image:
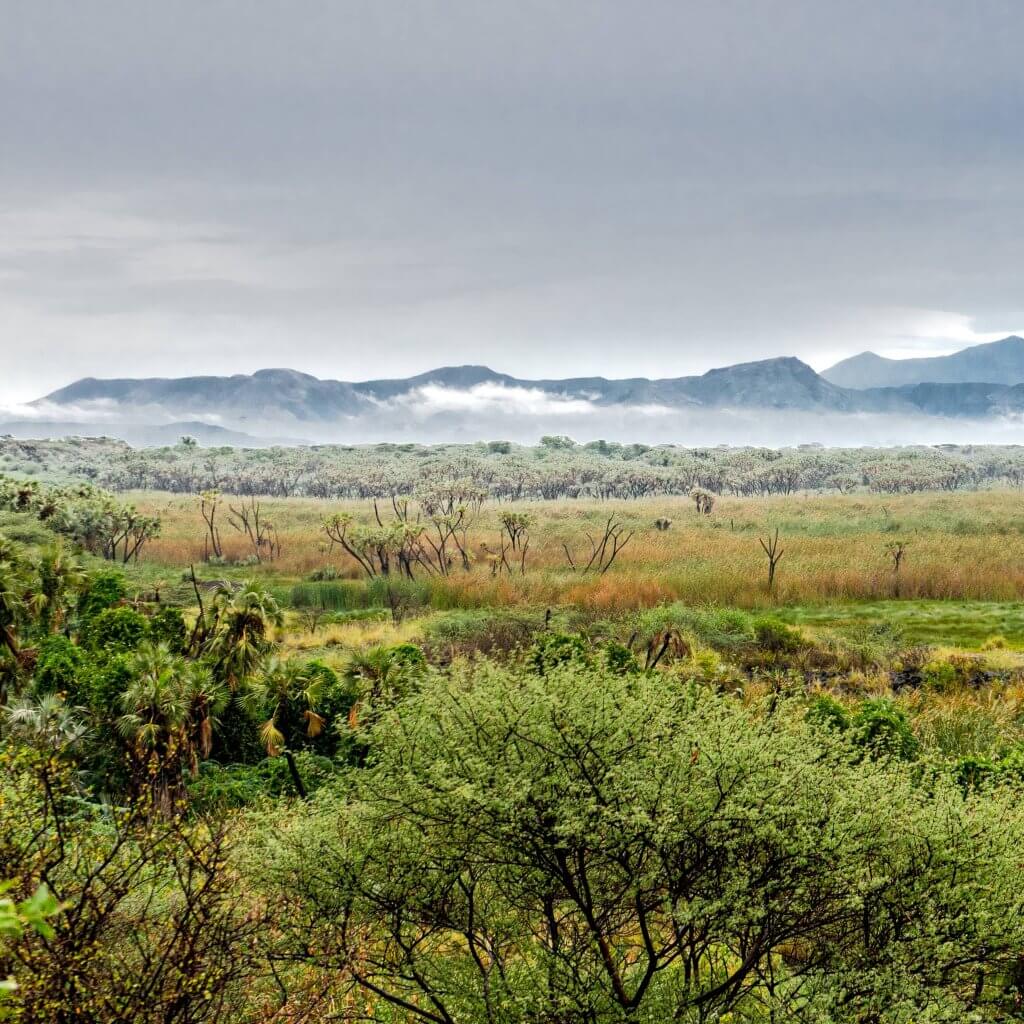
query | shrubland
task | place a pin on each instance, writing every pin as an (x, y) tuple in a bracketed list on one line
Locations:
[(449, 759), (556, 468)]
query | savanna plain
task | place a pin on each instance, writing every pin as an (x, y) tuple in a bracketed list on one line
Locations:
[(567, 734)]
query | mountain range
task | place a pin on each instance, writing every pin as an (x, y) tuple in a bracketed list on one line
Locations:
[(984, 382)]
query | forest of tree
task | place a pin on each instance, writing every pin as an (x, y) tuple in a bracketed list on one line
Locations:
[(557, 468)]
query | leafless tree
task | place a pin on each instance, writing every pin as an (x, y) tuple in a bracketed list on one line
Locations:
[(248, 519), (209, 502), (897, 549), (771, 548), (604, 549)]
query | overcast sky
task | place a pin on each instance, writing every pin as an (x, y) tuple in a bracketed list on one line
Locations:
[(363, 189)]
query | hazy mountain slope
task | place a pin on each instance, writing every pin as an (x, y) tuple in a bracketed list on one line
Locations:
[(997, 362), (781, 398), (141, 435), (267, 395), (286, 395)]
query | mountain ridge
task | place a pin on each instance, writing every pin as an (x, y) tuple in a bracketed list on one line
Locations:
[(780, 382), (993, 362), (290, 404)]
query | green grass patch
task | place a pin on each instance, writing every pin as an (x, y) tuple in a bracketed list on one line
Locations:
[(956, 623)]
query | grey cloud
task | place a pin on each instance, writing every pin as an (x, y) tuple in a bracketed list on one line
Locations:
[(364, 188)]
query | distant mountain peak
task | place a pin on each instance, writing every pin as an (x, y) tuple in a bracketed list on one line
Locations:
[(289, 403), (992, 362)]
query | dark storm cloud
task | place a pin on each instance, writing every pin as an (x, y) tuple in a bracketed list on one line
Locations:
[(359, 189)]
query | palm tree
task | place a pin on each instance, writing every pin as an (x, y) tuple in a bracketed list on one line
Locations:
[(240, 636), (382, 675), (48, 724), (13, 610), (285, 691), (170, 708), (60, 574)]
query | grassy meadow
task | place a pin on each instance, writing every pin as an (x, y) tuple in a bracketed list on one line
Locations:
[(960, 580), (422, 774)]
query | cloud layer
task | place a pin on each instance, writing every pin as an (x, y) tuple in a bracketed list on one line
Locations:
[(360, 189)]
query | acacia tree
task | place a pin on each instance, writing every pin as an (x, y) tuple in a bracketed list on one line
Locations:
[(209, 503), (145, 921), (604, 548), (770, 546), (589, 847)]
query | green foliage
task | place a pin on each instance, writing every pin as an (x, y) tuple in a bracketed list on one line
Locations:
[(973, 772), (882, 729), (103, 682), (379, 676), (339, 595), (60, 667), (167, 626), (219, 788), (488, 631), (940, 675), (554, 649), (105, 589), (827, 713), (619, 659), (240, 633), (115, 630), (495, 795), (33, 914), (557, 442), (775, 637), (382, 592), (146, 926), (724, 629)]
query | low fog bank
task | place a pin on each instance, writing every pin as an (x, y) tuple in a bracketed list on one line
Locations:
[(696, 427), (405, 422)]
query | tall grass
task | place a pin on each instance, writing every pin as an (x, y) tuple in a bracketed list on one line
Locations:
[(967, 546)]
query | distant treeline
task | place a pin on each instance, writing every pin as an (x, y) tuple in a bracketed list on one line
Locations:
[(556, 468)]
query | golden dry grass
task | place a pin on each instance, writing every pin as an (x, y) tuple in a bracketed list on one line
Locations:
[(961, 546)]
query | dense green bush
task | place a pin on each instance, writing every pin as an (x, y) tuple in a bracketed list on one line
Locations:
[(554, 649), (774, 637), (827, 713), (59, 668), (619, 658), (104, 681), (105, 589), (167, 626), (115, 629), (882, 729), (597, 833)]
